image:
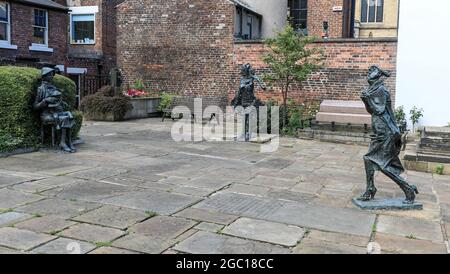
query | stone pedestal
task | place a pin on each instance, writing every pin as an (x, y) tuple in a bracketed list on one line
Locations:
[(387, 204)]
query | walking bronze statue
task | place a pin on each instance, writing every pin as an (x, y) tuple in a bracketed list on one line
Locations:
[(386, 140), (245, 97), (50, 103)]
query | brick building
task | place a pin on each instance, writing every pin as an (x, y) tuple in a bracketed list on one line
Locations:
[(33, 32), (196, 47)]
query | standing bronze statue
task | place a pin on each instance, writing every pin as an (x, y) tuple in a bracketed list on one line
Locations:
[(246, 98), (50, 103), (386, 141)]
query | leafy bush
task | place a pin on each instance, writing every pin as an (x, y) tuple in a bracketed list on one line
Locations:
[(416, 114), (400, 117), (19, 123), (166, 100), (297, 115), (102, 103)]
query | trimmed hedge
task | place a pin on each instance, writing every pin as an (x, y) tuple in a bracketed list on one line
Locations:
[(19, 123)]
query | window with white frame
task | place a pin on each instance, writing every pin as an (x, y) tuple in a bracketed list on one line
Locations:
[(40, 28), (82, 28), (5, 35), (372, 11)]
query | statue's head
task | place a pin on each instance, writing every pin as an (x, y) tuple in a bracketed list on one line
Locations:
[(375, 73), (247, 70), (47, 74)]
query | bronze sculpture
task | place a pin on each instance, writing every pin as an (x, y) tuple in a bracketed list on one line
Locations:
[(245, 97), (386, 140), (50, 103)]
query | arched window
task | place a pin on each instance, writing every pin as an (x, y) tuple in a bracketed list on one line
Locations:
[(298, 10), (372, 11)]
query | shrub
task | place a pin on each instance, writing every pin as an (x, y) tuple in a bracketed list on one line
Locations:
[(166, 100), (19, 123), (416, 114), (102, 103), (400, 117)]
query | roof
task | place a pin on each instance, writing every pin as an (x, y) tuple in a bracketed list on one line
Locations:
[(44, 4), (246, 6)]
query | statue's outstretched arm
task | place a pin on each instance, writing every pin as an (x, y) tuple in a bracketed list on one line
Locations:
[(260, 82)]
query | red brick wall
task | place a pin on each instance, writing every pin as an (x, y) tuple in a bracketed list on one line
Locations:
[(22, 19), (182, 46), (343, 76), (322, 10)]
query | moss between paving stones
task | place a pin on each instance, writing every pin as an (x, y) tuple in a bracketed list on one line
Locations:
[(19, 124)]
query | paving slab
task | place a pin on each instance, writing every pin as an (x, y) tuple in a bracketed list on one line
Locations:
[(210, 227), (314, 246), (112, 250), (208, 182), (409, 227), (45, 224), (159, 202), (310, 188), (13, 198), (112, 216), (248, 189), (144, 244), (274, 163), (92, 233), (31, 187), (10, 218), (207, 216), (193, 191), (210, 243), (61, 208), (272, 182), (265, 231), (64, 246), (339, 238), (242, 205), (343, 220), (402, 245), (98, 173), (90, 191), (22, 239), (163, 227), (7, 179), (284, 194), (4, 251), (57, 181)]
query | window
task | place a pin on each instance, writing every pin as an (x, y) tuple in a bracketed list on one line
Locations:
[(40, 28), (247, 25), (298, 10), (83, 28), (372, 11), (4, 22)]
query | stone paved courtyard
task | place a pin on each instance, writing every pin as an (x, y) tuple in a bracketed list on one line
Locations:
[(131, 189)]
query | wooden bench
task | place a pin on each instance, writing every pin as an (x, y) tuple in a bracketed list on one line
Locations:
[(344, 112), (188, 102)]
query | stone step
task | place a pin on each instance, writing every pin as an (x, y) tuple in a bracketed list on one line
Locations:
[(442, 132), (344, 118), (348, 107)]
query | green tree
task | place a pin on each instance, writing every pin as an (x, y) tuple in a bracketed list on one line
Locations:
[(290, 59), (415, 115)]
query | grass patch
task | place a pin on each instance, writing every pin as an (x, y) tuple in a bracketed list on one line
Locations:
[(411, 237), (150, 213), (103, 244), (37, 215), (6, 210)]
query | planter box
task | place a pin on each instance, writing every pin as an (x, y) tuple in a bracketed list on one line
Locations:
[(143, 108)]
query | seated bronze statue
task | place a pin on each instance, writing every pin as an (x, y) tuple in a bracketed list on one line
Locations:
[(50, 103)]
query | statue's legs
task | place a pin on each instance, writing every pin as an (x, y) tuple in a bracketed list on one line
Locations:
[(70, 141), (409, 190), (371, 190), (63, 145)]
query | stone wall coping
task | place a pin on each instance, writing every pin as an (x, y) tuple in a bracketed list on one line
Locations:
[(333, 40)]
